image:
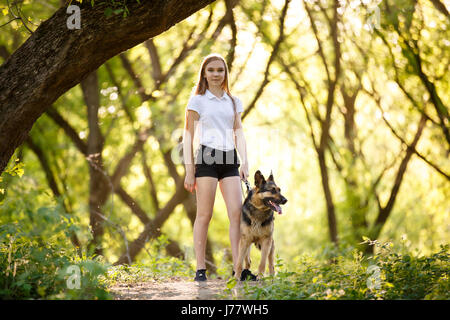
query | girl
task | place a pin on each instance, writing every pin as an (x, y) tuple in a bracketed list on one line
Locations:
[(213, 114)]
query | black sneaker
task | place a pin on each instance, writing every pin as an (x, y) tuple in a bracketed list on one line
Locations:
[(246, 275), (200, 275)]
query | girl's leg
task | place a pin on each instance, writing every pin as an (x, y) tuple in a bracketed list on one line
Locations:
[(232, 195), (205, 193)]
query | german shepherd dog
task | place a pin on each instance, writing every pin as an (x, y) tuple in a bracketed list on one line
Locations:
[(257, 224)]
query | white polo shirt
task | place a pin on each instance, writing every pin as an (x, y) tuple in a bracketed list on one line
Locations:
[(215, 126)]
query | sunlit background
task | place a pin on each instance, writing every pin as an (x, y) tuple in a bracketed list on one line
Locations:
[(279, 128)]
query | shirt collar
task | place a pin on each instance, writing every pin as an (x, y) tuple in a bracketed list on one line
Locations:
[(211, 95)]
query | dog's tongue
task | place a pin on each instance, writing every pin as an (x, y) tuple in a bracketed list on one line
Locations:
[(277, 207)]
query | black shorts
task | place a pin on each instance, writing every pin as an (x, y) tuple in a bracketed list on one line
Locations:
[(210, 162)]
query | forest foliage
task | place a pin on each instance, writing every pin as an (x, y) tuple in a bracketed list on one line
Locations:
[(347, 105)]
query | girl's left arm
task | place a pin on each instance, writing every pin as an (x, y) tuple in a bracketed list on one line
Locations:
[(241, 146)]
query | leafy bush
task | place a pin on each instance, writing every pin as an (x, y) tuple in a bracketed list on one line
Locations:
[(35, 262), (37, 258), (351, 275)]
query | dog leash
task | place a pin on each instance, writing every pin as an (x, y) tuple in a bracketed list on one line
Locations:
[(247, 184)]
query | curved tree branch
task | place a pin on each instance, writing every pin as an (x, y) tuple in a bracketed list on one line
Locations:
[(55, 58)]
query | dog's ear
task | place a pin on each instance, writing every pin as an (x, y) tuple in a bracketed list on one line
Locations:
[(259, 179), (270, 177)]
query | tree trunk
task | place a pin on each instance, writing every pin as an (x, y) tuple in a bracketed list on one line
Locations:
[(385, 211), (331, 214), (98, 183), (55, 58)]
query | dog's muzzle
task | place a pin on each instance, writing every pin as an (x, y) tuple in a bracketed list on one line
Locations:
[(276, 206)]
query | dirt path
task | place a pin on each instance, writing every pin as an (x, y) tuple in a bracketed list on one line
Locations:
[(180, 289)]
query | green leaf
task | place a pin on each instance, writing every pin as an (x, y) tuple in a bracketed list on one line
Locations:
[(108, 12), (231, 283)]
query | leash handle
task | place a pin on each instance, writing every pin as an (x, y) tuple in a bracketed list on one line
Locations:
[(247, 184), (248, 189)]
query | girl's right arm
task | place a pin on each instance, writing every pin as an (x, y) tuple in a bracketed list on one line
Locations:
[(192, 118)]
